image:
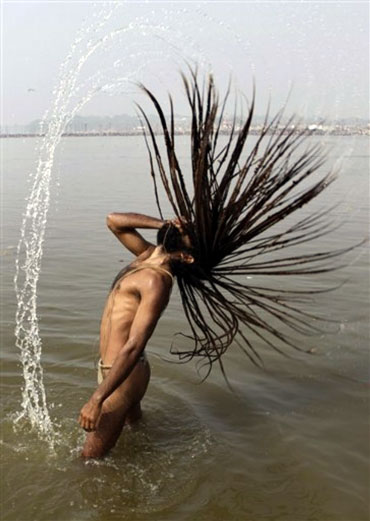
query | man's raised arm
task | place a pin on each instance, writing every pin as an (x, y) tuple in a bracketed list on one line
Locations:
[(124, 225)]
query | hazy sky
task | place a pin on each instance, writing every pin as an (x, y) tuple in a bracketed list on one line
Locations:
[(317, 49)]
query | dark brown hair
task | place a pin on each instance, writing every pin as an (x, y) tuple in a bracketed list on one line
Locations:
[(236, 200), (171, 238)]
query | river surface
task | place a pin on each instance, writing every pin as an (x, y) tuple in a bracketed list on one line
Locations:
[(290, 443)]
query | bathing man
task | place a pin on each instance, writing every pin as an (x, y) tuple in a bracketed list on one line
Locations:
[(138, 296)]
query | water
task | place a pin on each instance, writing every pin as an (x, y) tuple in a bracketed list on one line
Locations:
[(73, 90), (30, 245), (169, 458), (290, 443), (80, 79)]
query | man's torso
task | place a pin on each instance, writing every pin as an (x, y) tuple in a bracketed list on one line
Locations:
[(121, 307)]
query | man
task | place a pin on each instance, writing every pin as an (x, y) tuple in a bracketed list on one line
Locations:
[(137, 299), (232, 200)]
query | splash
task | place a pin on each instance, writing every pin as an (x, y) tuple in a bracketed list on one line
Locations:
[(71, 93), (30, 246)]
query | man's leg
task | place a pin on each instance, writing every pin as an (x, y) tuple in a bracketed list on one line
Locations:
[(122, 406), (133, 414)]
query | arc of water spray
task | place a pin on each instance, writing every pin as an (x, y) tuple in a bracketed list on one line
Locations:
[(30, 245)]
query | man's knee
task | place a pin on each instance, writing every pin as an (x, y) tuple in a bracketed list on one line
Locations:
[(134, 414), (93, 450), (92, 453), (97, 446), (101, 441)]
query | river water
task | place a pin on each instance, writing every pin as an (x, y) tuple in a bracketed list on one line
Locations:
[(289, 443)]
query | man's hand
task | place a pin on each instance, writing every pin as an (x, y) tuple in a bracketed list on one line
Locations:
[(90, 415), (182, 225)]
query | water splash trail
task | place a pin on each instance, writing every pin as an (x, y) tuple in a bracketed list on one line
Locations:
[(30, 246), (70, 95)]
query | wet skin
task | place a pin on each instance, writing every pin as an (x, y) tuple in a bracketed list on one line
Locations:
[(131, 313)]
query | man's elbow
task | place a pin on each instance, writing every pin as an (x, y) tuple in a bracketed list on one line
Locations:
[(114, 222), (133, 348), (117, 222), (110, 220)]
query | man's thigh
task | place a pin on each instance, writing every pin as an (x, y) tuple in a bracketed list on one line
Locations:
[(115, 410), (100, 441)]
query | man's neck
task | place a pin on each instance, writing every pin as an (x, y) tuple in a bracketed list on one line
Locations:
[(159, 258)]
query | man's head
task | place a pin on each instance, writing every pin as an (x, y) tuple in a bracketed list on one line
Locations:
[(176, 241)]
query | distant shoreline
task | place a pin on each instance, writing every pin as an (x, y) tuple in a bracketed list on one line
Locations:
[(254, 132)]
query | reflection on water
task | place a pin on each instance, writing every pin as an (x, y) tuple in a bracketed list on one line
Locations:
[(289, 443)]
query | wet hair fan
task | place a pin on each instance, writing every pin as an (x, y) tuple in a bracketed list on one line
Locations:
[(238, 199)]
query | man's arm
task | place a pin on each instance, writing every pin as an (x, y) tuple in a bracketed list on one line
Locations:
[(123, 226), (150, 309)]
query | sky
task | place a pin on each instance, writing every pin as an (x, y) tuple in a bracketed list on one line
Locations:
[(312, 53)]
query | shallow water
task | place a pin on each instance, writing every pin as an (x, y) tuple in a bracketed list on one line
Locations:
[(290, 443)]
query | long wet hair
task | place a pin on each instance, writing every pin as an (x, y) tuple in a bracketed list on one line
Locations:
[(231, 204)]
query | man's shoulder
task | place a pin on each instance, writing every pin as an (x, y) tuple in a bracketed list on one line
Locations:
[(155, 278), (154, 286)]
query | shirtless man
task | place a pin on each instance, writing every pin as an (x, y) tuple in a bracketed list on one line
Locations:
[(137, 299)]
